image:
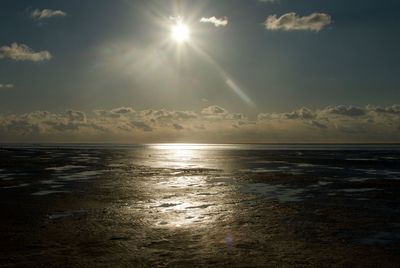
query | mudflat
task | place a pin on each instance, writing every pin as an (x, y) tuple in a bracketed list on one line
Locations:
[(199, 205)]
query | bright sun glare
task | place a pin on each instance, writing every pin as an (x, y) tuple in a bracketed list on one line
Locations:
[(180, 32)]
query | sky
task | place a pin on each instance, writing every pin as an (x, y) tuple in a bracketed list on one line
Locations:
[(249, 71)]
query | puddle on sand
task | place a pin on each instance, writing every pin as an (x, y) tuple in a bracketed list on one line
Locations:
[(324, 183), (78, 176), (17, 186), (360, 190), (64, 168), (268, 191), (66, 214), (359, 179), (5, 176), (116, 165), (49, 182), (48, 192), (378, 172), (380, 238), (307, 165), (259, 170), (361, 159)]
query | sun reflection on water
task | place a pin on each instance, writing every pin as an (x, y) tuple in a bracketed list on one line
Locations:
[(186, 192), (178, 156), (180, 146), (186, 200)]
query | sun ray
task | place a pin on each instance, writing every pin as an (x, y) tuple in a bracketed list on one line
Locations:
[(229, 81)]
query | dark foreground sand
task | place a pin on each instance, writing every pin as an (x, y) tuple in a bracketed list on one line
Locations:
[(151, 207)]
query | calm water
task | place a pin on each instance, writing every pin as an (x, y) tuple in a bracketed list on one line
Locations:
[(201, 205)]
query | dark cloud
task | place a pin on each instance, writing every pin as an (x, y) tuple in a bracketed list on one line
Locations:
[(177, 126), (62, 126), (394, 110), (123, 110), (318, 124), (142, 126), (346, 110), (76, 115)]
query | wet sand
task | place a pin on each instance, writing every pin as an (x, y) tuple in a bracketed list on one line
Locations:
[(155, 206)]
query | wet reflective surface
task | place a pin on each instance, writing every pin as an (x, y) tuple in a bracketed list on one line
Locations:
[(200, 205)]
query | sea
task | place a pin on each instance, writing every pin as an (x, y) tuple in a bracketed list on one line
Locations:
[(199, 205)]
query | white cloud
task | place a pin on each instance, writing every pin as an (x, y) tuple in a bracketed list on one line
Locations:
[(212, 124), (292, 22), (76, 116), (214, 111), (6, 86), (21, 52), (47, 13), (216, 21)]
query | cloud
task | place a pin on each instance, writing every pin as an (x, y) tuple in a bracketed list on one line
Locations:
[(142, 126), (212, 124), (391, 110), (6, 86), (47, 13), (123, 110), (214, 111), (21, 52), (318, 124), (76, 116), (292, 22), (216, 21), (346, 110), (177, 126), (302, 113)]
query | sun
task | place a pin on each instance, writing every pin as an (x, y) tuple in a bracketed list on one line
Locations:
[(180, 32)]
